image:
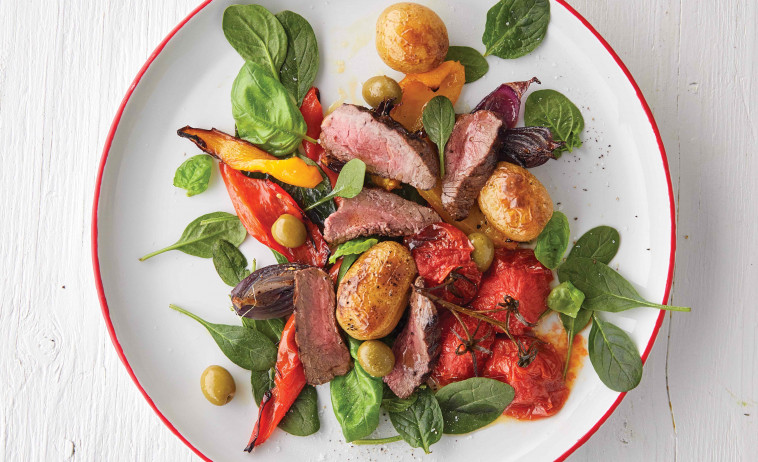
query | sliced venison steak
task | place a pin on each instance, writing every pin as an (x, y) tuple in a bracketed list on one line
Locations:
[(470, 158), (417, 348), (354, 132), (375, 211), (322, 349)]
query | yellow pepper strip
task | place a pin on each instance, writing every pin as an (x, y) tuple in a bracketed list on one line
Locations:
[(475, 222), (446, 80), (388, 184), (241, 155)]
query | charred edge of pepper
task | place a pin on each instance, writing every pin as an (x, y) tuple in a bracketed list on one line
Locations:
[(194, 138), (264, 401)]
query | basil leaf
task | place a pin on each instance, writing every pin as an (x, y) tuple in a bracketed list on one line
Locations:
[(280, 259), (604, 289), (302, 417), (355, 247), (264, 111), (257, 36), (515, 27), (198, 237), (439, 120), (548, 108), (473, 61), (391, 403), (599, 244), (194, 174), (614, 356), (262, 381), (301, 62), (348, 185), (553, 241), (565, 299), (356, 397), (271, 328), (347, 262), (230, 264), (421, 423), (473, 403), (247, 348)]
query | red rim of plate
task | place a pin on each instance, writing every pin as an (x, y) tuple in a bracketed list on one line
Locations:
[(114, 127)]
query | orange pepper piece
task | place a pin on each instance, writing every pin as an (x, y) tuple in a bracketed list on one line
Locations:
[(446, 80), (241, 155)]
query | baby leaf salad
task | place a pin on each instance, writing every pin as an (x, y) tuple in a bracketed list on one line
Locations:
[(416, 253)]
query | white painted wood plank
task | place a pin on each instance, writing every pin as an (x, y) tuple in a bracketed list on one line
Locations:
[(64, 67)]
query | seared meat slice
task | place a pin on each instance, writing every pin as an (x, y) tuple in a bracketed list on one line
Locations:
[(416, 348), (470, 158), (354, 132), (322, 350), (375, 211)]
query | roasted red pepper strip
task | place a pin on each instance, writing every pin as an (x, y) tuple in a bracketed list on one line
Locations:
[(313, 114), (288, 383), (259, 203)]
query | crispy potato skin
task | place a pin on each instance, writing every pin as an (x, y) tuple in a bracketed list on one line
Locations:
[(374, 292), (515, 202), (411, 38)]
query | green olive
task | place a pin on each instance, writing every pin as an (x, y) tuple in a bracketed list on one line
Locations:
[(379, 88), (289, 231), (217, 385), (376, 357), (484, 250)]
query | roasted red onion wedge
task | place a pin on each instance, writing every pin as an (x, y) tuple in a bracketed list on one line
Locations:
[(505, 100), (527, 146), (267, 293)]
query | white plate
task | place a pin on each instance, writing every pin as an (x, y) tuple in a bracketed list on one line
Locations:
[(618, 178)]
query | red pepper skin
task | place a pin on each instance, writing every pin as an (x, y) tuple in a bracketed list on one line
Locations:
[(259, 203), (313, 114), (288, 383)]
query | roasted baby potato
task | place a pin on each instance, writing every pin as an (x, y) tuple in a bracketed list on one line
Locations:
[(515, 202), (374, 292), (411, 38)]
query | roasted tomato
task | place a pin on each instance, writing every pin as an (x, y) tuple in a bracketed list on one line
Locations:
[(540, 389), (439, 249), (519, 274), (455, 362)]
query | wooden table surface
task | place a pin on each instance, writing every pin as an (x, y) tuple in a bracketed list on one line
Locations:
[(64, 67)]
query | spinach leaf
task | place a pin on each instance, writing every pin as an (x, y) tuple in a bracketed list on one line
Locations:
[(355, 247), (247, 348), (265, 113), (302, 417), (198, 237), (348, 185), (599, 244), (271, 328), (194, 174), (604, 289), (573, 326), (347, 262), (473, 403), (257, 36), (614, 356), (307, 196), (473, 61), (515, 27), (301, 63), (439, 120), (421, 423), (391, 403), (280, 259), (565, 299), (548, 108), (356, 397), (553, 241), (230, 264), (262, 381)]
